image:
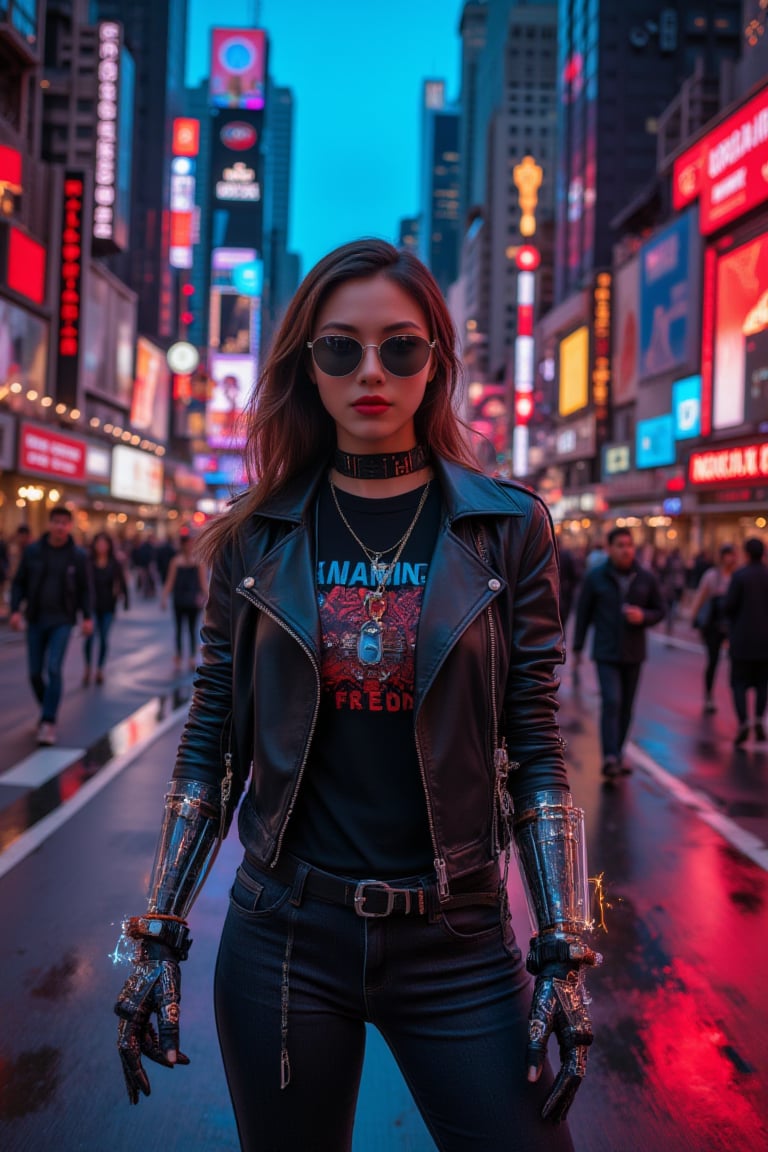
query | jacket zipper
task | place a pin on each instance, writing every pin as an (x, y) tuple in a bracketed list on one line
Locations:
[(306, 649), (441, 871), (501, 764)]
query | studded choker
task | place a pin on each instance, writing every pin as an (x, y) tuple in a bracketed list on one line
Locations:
[(381, 465)]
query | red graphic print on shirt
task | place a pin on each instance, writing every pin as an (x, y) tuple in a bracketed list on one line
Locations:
[(351, 685)]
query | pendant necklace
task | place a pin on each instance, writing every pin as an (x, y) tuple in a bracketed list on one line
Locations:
[(370, 641)]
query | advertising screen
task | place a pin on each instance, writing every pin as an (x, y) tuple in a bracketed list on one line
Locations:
[(96, 335), (124, 325), (232, 379), (626, 333), (23, 348), (237, 67), (740, 370), (150, 410), (655, 442), (665, 300), (574, 372), (686, 407), (136, 475)]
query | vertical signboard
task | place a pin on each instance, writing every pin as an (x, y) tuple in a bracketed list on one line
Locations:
[(665, 300), (72, 258), (150, 409), (626, 333), (232, 380), (236, 179), (112, 168), (601, 352), (185, 147)]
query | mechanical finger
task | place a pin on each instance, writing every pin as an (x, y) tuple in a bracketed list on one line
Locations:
[(566, 1085), (129, 1048)]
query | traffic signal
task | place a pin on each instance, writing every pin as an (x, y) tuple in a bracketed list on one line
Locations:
[(523, 407)]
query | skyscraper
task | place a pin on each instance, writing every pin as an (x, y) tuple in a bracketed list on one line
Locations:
[(439, 224), (618, 68)]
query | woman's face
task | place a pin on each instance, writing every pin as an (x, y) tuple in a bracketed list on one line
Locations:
[(372, 409)]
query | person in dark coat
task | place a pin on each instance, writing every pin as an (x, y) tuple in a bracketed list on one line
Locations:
[(746, 608), (52, 581), (621, 599)]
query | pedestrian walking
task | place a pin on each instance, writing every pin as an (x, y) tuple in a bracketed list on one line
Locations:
[(164, 553), (109, 585), (709, 618), (621, 599), (51, 581), (143, 560), (746, 608), (187, 586), (382, 625)]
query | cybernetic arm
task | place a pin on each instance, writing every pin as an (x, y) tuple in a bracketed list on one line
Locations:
[(551, 850), (193, 826)]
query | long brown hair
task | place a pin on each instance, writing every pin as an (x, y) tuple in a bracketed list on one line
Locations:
[(289, 430)]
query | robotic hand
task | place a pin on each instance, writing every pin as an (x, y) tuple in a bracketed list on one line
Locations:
[(159, 940), (550, 845), (152, 989)]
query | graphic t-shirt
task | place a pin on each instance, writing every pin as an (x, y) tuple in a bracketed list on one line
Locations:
[(361, 809)]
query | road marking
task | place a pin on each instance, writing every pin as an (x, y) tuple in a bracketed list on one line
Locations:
[(701, 804), (36, 835), (41, 766)]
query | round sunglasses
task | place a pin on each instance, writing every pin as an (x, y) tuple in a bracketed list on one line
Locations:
[(403, 355)]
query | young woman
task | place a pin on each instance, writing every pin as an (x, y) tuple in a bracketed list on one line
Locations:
[(187, 585), (382, 626), (109, 585)]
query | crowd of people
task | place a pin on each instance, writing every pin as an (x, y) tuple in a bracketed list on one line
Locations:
[(50, 584), (620, 597)]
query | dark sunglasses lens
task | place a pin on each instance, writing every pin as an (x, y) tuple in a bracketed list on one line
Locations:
[(404, 355), (337, 355)]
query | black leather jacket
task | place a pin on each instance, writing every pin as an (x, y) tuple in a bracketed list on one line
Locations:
[(257, 692)]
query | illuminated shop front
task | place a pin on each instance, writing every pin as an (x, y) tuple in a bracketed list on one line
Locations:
[(727, 472)]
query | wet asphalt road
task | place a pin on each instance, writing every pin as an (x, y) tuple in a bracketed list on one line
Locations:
[(680, 1059)]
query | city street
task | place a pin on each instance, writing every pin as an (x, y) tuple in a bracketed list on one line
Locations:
[(680, 1058)]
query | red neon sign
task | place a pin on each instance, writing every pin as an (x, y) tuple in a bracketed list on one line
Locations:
[(26, 266), (71, 267), (723, 465), (186, 137), (725, 169), (51, 454)]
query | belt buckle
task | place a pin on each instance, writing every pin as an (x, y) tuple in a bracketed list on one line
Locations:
[(360, 898)]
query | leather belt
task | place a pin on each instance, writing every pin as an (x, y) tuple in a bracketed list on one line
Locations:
[(373, 899)]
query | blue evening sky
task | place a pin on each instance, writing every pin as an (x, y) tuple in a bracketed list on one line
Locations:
[(356, 69)]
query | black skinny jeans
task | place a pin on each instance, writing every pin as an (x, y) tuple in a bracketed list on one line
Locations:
[(298, 978)]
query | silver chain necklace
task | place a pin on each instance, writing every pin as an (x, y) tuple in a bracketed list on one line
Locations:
[(370, 642)]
